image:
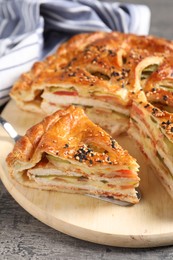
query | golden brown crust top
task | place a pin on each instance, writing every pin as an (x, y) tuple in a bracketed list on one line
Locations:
[(93, 62), (69, 134)]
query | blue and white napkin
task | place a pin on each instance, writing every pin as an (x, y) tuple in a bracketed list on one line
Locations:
[(32, 29)]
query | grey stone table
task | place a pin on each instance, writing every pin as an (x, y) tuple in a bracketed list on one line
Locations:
[(24, 237)]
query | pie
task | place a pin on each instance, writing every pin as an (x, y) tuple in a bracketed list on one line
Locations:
[(67, 152), (116, 78)]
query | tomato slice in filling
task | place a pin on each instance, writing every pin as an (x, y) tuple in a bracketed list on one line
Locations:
[(66, 93)]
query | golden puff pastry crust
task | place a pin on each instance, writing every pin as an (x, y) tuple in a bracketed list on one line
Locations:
[(108, 63), (66, 134), (67, 152)]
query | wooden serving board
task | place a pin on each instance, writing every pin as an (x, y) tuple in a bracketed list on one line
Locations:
[(148, 224)]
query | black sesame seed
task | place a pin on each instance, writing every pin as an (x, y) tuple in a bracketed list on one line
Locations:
[(147, 105), (114, 74), (168, 122), (113, 144), (66, 146), (153, 89), (90, 161), (172, 129), (154, 110), (120, 79), (165, 98)]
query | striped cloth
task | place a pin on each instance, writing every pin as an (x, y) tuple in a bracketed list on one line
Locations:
[(32, 29)]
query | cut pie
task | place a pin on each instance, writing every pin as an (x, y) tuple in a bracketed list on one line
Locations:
[(153, 131), (68, 152), (98, 71), (105, 73)]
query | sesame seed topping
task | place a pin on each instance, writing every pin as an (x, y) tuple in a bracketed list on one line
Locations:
[(171, 129), (113, 143), (90, 161), (120, 79), (154, 110), (153, 89), (114, 74), (165, 98), (82, 153), (147, 105), (168, 122)]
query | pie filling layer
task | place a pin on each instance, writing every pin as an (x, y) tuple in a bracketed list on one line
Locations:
[(154, 143)]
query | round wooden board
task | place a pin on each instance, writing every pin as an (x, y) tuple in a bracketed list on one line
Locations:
[(148, 224)]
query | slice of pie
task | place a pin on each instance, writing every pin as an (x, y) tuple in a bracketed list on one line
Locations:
[(153, 131), (67, 152)]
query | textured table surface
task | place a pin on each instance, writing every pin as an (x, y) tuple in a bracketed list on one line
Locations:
[(24, 237)]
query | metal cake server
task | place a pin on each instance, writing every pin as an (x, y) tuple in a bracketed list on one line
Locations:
[(15, 136), (9, 129)]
